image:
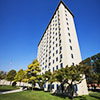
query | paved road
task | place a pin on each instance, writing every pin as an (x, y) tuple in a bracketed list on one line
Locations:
[(13, 91)]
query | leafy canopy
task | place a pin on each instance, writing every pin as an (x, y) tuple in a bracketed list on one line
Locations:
[(19, 76), (11, 74)]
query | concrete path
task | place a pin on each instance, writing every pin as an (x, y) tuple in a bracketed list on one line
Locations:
[(13, 91)]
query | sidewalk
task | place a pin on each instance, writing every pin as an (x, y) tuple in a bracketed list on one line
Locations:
[(13, 91)]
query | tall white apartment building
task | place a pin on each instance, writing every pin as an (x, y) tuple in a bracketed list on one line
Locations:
[(59, 46)]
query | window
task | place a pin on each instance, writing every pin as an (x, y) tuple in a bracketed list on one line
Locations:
[(69, 34), (57, 59), (53, 48), (48, 86), (70, 40), (73, 64), (66, 18), (46, 66), (53, 42), (49, 58), (67, 23), (56, 29), (56, 39), (56, 67), (70, 47), (49, 52), (53, 86), (68, 28), (49, 64), (66, 14), (56, 45), (61, 65), (72, 56), (59, 34), (53, 68), (56, 51), (60, 48), (43, 68), (57, 86), (49, 70), (53, 61), (60, 41), (56, 33), (60, 56), (44, 85), (53, 54)]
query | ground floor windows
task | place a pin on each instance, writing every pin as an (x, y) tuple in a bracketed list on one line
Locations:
[(57, 86), (44, 85), (52, 86)]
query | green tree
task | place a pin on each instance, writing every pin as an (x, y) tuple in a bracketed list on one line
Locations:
[(71, 75), (3, 75), (60, 77), (95, 60), (41, 81), (33, 73), (10, 76), (50, 77), (93, 72), (19, 76)]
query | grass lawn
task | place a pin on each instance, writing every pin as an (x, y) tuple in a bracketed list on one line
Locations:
[(7, 88), (41, 95)]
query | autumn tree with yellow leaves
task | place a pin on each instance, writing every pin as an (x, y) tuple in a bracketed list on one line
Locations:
[(32, 73)]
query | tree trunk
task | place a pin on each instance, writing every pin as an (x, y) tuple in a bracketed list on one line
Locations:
[(32, 86), (72, 98), (62, 88), (19, 83), (51, 87), (72, 91)]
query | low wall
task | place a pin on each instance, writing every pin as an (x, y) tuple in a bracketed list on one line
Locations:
[(5, 82)]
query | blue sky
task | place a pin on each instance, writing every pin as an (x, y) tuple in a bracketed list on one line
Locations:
[(23, 22)]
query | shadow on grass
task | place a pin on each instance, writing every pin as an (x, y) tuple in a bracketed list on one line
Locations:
[(64, 96), (5, 90), (81, 98), (95, 96), (35, 89), (59, 95)]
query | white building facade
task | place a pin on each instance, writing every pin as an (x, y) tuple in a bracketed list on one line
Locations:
[(59, 46)]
